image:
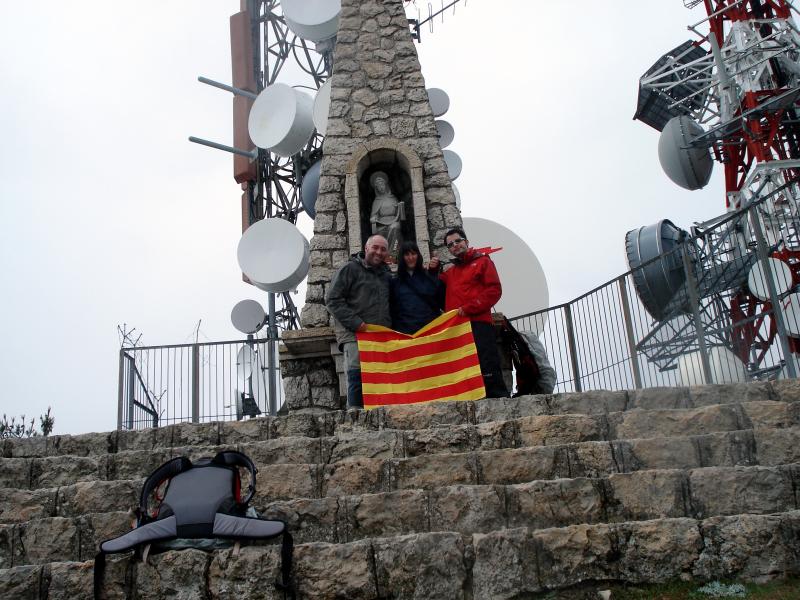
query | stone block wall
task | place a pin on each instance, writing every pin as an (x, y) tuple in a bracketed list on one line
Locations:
[(377, 94)]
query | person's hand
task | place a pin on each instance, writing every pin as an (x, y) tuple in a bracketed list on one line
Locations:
[(362, 328), (434, 264), (461, 312)]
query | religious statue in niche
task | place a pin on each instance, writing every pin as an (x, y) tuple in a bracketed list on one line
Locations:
[(388, 213)]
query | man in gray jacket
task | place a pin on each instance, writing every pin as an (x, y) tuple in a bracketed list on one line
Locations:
[(358, 295)]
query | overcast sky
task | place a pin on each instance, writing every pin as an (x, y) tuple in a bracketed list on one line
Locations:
[(108, 215)]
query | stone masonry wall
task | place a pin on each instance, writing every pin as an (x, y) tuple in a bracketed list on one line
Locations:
[(377, 92)]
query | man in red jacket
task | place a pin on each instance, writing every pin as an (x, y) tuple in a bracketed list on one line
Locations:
[(473, 287)]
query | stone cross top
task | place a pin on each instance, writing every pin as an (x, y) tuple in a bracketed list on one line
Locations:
[(380, 121)]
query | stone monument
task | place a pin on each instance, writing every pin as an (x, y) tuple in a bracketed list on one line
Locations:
[(382, 169)]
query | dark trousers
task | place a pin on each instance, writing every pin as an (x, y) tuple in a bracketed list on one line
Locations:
[(488, 356)]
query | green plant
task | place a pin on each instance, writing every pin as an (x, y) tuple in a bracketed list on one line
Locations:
[(23, 429)]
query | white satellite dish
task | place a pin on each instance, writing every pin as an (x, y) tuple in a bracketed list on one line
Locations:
[(310, 189), (521, 274), (440, 101), (725, 367), (281, 119), (322, 104), (313, 20), (248, 316), (274, 255), (445, 132), (757, 280), (453, 162), (457, 195), (791, 314), (687, 166), (246, 360)]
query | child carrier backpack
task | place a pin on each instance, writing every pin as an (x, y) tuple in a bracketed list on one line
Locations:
[(201, 500)]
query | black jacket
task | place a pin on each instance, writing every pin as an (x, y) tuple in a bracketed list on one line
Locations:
[(415, 301), (358, 294)]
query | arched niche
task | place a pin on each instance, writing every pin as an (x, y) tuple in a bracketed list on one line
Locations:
[(404, 169)]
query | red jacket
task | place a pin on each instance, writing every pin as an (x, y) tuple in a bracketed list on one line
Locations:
[(472, 284)]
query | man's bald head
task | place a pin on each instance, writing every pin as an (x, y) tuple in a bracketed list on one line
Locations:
[(375, 250)]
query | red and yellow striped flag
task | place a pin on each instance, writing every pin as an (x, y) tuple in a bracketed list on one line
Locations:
[(438, 362)]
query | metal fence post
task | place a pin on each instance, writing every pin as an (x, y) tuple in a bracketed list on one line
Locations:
[(195, 383), (573, 354), (121, 388), (131, 389), (626, 315), (777, 309), (694, 301)]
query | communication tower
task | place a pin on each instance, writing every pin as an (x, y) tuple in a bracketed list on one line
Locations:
[(729, 95)]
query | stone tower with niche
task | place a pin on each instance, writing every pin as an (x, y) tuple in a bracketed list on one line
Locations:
[(380, 122)]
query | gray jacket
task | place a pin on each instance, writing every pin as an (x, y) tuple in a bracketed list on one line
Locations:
[(358, 294)]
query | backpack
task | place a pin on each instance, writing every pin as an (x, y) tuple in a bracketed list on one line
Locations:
[(530, 379), (198, 501)]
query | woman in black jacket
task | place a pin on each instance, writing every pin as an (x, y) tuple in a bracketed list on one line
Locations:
[(416, 297)]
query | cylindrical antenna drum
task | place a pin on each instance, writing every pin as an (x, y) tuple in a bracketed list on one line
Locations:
[(281, 120)]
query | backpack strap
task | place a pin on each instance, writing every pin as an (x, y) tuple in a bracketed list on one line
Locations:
[(234, 458), (166, 471), (286, 585)]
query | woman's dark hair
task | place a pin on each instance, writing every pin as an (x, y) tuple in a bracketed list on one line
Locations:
[(408, 246)]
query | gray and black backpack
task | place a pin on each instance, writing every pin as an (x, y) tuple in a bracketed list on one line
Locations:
[(188, 501)]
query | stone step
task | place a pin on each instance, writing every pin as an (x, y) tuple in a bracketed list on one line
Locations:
[(616, 498), (354, 442), (765, 447), (399, 417), (509, 563)]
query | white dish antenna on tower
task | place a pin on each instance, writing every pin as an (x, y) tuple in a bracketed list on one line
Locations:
[(725, 367), (521, 274), (791, 314), (281, 119), (689, 167), (439, 100), (445, 132), (274, 255), (322, 104), (313, 20), (246, 360), (248, 316), (310, 189), (453, 162), (457, 194), (757, 278)]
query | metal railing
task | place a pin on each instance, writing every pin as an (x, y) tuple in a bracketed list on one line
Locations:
[(219, 381), (708, 328), (712, 329)]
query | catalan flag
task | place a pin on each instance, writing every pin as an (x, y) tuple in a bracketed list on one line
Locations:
[(438, 362)]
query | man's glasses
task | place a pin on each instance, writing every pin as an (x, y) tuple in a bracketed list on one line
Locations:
[(452, 243)]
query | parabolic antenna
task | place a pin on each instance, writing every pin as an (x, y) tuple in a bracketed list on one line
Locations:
[(791, 314), (322, 103), (725, 367), (457, 194), (248, 316), (439, 100), (310, 189), (274, 255), (657, 282), (246, 361), (689, 167), (521, 274), (281, 119), (757, 279), (453, 162), (313, 20), (445, 132)]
